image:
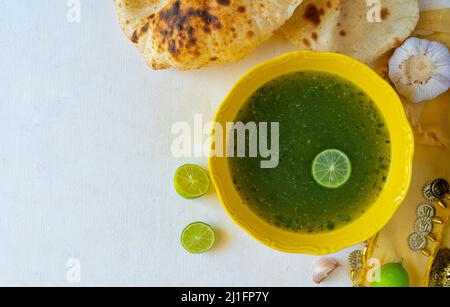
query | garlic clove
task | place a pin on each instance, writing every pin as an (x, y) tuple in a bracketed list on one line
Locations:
[(420, 69), (323, 268)]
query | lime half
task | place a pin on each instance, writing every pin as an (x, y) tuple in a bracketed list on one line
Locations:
[(331, 168), (191, 181), (198, 238)]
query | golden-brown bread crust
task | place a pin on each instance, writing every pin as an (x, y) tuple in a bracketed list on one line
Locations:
[(343, 26), (189, 34)]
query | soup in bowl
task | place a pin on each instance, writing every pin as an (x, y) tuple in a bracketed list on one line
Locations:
[(318, 153)]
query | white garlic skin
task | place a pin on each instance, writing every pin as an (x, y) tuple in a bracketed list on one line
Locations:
[(420, 69), (323, 268)]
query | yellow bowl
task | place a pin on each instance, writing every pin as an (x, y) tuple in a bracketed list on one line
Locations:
[(398, 180)]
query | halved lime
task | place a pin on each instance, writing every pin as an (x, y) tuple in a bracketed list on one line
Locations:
[(198, 238), (331, 168), (191, 181)]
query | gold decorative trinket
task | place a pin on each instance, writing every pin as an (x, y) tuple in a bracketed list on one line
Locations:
[(433, 192), (425, 209), (437, 220), (427, 192), (440, 188), (440, 271), (423, 225), (426, 253), (355, 260), (417, 241), (431, 237)]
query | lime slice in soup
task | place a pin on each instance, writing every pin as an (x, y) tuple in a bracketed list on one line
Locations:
[(198, 238), (331, 168), (191, 181)]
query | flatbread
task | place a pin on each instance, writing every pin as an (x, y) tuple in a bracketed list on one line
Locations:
[(313, 24), (345, 26), (189, 34)]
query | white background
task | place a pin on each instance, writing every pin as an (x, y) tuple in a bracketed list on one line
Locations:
[(85, 163)]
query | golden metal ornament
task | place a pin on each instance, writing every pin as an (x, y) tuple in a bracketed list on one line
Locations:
[(355, 260), (425, 209), (423, 225), (440, 188), (417, 241), (431, 237), (437, 220), (440, 271), (354, 278), (427, 192), (426, 252), (441, 204)]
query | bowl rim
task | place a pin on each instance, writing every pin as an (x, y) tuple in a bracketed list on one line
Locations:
[(402, 152)]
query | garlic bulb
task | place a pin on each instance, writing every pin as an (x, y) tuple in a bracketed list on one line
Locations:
[(420, 69), (323, 268)]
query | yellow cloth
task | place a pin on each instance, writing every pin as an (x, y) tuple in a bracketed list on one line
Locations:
[(431, 125)]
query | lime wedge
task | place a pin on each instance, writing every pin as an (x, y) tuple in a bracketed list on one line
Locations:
[(191, 181), (331, 168), (198, 238)]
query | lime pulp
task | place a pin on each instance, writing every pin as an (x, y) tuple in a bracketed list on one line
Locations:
[(331, 168), (191, 181), (198, 238)]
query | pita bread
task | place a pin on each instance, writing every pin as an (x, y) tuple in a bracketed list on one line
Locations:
[(353, 27), (313, 23), (189, 34)]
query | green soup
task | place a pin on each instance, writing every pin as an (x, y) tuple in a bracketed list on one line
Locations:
[(315, 111)]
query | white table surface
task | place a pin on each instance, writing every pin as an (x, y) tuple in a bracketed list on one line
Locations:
[(85, 163)]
